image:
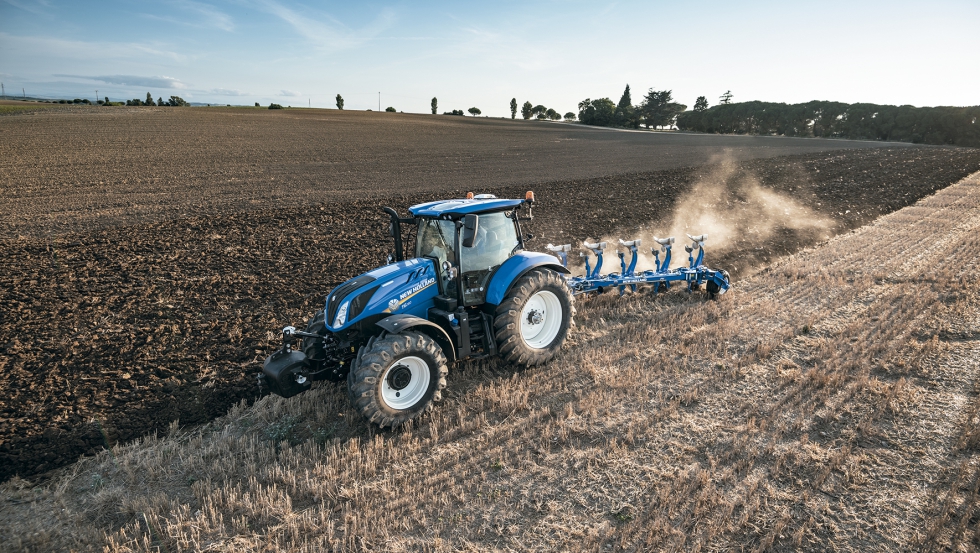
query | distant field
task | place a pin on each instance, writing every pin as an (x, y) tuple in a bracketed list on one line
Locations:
[(95, 167), (10, 107)]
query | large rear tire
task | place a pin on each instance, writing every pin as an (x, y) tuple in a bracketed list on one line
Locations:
[(532, 322), (397, 377)]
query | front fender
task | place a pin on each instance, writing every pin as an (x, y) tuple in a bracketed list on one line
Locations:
[(514, 268), (397, 324)]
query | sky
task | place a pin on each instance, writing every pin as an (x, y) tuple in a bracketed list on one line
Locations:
[(482, 54)]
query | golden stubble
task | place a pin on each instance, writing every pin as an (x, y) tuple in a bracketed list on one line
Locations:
[(829, 402)]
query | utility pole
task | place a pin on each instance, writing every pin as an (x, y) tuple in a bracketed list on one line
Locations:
[(4, 91), (96, 96), (379, 100), (25, 93)]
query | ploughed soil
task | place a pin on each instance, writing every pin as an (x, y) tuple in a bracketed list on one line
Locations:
[(152, 255)]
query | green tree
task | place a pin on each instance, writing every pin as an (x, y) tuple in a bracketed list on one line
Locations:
[(160, 101), (474, 111), (513, 108), (275, 106), (434, 105), (177, 101), (526, 110), (659, 109), (700, 104), (570, 116), (725, 98), (390, 109), (256, 104), (625, 115), (340, 102), (149, 100), (552, 114), (599, 112), (539, 110)]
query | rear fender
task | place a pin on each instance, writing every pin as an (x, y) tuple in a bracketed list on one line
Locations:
[(516, 267), (396, 324)]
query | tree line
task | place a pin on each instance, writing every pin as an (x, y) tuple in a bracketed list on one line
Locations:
[(658, 109), (927, 125)]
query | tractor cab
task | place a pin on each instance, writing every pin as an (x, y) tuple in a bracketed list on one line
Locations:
[(468, 240)]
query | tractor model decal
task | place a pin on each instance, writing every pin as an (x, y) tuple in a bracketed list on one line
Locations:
[(395, 303)]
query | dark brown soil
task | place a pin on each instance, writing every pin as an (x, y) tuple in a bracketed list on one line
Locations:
[(145, 285)]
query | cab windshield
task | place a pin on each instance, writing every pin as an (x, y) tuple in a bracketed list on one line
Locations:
[(436, 239)]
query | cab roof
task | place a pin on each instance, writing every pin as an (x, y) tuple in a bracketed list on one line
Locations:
[(463, 207)]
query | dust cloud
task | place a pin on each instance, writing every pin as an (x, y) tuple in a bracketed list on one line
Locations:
[(734, 209)]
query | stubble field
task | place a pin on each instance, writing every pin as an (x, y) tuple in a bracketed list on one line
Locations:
[(152, 254)]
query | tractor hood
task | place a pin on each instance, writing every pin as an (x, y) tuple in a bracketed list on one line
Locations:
[(402, 287)]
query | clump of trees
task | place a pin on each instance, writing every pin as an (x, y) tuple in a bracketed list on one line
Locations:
[(275, 106), (928, 125), (526, 110), (174, 101), (390, 109), (658, 109), (454, 112)]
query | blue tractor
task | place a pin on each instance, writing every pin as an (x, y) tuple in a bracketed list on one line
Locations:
[(469, 289)]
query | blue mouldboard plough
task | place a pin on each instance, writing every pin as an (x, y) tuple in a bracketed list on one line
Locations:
[(693, 276)]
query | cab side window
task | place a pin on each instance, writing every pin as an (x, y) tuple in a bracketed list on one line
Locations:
[(496, 240)]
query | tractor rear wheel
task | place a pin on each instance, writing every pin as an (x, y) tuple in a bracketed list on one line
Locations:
[(532, 322), (397, 377)]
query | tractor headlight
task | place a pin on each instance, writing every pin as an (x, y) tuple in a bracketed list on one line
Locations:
[(341, 315)]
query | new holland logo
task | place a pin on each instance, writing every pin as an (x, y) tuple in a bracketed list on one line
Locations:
[(393, 304), (416, 289)]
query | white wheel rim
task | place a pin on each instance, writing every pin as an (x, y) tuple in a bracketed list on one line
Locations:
[(541, 319), (396, 393)]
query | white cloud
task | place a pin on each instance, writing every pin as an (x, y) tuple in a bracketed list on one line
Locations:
[(227, 92), (133, 80), (201, 16), (289, 93), (87, 51), (37, 7), (329, 33)]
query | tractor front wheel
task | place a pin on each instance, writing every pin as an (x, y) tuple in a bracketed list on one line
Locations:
[(533, 320), (397, 377)]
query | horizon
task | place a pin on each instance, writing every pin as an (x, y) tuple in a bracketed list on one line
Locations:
[(553, 53)]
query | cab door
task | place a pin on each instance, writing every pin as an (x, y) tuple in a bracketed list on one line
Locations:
[(496, 240)]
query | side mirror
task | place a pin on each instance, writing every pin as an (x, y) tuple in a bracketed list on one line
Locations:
[(471, 223)]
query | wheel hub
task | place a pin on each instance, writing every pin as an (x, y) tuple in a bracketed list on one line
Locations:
[(399, 377), (534, 317)]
